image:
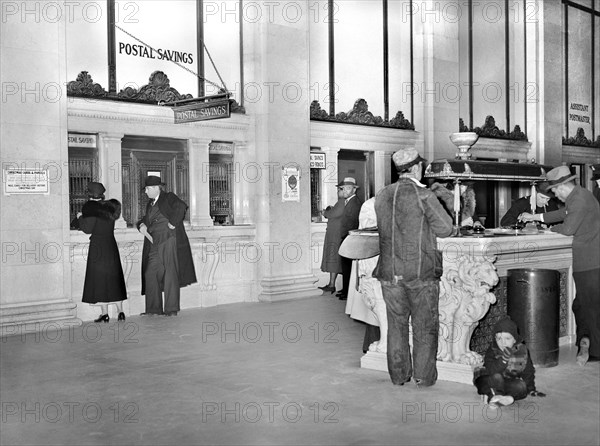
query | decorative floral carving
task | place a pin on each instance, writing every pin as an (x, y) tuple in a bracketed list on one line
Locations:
[(581, 140), (157, 90), (370, 290), (400, 122), (235, 107), (360, 114), (317, 113), (490, 130), (465, 298), (85, 86)]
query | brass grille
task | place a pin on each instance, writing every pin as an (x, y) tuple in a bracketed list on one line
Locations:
[(221, 189), (136, 165), (315, 192), (82, 170)]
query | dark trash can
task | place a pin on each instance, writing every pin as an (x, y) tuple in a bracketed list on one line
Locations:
[(534, 303)]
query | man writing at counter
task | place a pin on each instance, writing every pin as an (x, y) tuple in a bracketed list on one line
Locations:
[(409, 218), (581, 219), (544, 202)]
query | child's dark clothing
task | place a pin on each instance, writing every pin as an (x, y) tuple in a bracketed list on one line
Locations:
[(508, 372)]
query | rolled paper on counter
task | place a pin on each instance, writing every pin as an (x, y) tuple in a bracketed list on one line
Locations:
[(533, 199)]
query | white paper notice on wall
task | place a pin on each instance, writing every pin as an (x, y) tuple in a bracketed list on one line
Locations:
[(26, 181), (290, 184)]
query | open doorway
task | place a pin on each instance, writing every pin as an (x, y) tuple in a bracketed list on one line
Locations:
[(162, 157), (356, 164)]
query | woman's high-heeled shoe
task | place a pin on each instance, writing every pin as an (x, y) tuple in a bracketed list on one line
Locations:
[(102, 318), (121, 316)]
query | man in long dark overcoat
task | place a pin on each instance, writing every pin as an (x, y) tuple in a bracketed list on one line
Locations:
[(349, 222), (167, 262)]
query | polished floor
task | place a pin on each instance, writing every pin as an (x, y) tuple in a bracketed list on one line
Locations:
[(281, 373)]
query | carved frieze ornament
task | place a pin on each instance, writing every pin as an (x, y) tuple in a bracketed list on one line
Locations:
[(157, 90), (235, 107), (360, 114), (317, 113), (490, 130), (84, 86), (581, 140), (400, 122)]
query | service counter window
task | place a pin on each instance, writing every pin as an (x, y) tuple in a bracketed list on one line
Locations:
[(166, 158), (83, 168), (317, 169), (220, 179), (315, 195)]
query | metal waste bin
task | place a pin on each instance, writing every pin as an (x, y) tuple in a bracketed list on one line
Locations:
[(534, 303)]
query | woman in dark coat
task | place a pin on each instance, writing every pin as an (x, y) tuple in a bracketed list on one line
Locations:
[(331, 262), (104, 279)]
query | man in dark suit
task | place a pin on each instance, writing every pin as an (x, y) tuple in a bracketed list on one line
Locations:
[(352, 206), (167, 262), (545, 201)]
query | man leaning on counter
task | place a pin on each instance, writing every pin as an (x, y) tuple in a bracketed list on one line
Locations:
[(581, 219)]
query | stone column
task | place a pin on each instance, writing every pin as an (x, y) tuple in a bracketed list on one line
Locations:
[(109, 160), (383, 176), (436, 67), (277, 51), (548, 112), (199, 184), (329, 177), (35, 276), (242, 189)]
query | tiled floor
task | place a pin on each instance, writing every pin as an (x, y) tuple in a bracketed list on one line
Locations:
[(281, 373)]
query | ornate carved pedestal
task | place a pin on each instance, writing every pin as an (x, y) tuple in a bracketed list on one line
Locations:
[(472, 267)]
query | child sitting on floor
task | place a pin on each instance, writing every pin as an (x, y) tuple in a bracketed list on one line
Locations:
[(507, 373)]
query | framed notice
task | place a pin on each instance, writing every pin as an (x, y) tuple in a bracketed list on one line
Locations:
[(26, 181), (290, 184), (318, 160)]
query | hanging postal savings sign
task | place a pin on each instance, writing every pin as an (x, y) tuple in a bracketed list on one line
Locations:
[(202, 111)]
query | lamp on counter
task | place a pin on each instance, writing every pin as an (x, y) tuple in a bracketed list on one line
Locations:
[(457, 207), (533, 198)]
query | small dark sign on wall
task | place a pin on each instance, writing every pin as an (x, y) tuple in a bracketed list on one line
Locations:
[(202, 111)]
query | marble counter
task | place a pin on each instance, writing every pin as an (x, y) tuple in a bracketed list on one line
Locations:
[(473, 294)]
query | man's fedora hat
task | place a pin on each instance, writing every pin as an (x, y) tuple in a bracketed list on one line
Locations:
[(348, 181), (544, 189), (407, 157), (153, 180), (95, 189), (559, 175)]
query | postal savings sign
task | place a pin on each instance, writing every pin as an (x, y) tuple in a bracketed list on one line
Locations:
[(158, 54)]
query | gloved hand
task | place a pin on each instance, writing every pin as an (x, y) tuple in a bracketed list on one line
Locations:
[(536, 393)]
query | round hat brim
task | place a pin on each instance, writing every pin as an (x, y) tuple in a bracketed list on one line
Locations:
[(560, 181), (359, 245)]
